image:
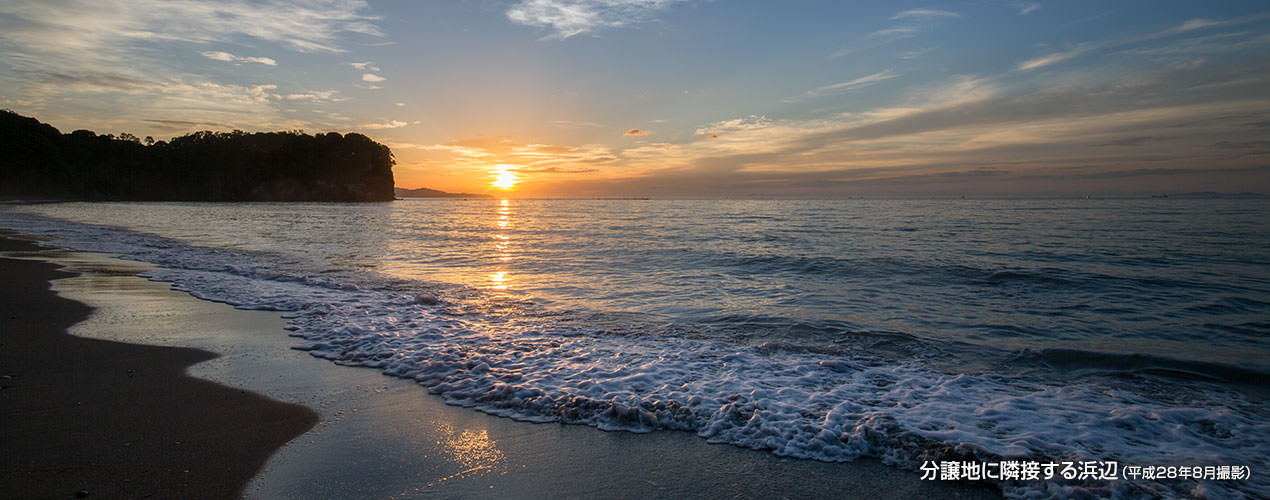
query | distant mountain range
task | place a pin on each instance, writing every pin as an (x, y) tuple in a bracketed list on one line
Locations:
[(433, 193)]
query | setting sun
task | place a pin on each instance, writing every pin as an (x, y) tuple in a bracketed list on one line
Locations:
[(504, 177)]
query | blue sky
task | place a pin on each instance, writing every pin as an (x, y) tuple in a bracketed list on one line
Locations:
[(679, 98)]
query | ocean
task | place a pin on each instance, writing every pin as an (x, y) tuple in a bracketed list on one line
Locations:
[(1134, 331)]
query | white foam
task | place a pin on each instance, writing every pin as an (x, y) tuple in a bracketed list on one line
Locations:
[(790, 402)]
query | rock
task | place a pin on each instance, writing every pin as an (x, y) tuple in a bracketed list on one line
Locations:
[(426, 299)]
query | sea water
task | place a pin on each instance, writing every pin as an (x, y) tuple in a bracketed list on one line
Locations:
[(1135, 331)]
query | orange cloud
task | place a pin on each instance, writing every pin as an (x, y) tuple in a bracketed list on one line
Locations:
[(636, 131)]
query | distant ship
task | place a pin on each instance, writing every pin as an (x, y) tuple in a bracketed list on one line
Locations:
[(1161, 195)]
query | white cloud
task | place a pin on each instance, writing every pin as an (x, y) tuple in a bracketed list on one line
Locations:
[(893, 33), (911, 23), (69, 53), (220, 56), (752, 122), (925, 14), (863, 81), (857, 83), (915, 53), (315, 95), (1027, 8), (227, 57), (364, 66), (567, 18), (139, 101), (386, 125), (1193, 48), (372, 78), (1058, 57), (76, 25), (968, 130), (971, 129), (172, 88), (1186, 27), (1195, 24)]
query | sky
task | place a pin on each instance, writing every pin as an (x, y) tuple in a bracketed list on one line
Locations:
[(670, 98)]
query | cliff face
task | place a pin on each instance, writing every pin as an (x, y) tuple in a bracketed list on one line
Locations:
[(37, 161)]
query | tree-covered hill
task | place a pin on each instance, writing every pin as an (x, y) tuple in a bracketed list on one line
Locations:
[(38, 161), (433, 193)]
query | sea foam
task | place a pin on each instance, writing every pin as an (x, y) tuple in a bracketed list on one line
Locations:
[(789, 401)]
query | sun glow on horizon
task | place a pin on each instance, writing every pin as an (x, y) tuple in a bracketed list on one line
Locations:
[(504, 177)]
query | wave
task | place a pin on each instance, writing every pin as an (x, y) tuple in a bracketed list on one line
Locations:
[(1076, 359), (835, 404), (937, 272)]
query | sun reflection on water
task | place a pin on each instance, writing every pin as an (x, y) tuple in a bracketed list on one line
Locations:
[(504, 215), (471, 450), (500, 279)]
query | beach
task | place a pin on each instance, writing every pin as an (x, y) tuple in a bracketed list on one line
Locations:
[(86, 417), (297, 249), (122, 420)]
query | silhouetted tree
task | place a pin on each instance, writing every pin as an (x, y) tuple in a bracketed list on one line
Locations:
[(38, 161)]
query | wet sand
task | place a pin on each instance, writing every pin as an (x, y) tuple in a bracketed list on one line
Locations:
[(382, 437), (83, 417)]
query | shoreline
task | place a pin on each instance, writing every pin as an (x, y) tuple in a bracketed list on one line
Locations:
[(113, 420), (384, 437)]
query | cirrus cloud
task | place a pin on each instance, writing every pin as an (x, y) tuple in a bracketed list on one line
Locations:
[(925, 14), (217, 55), (77, 25), (568, 18), (64, 57), (857, 83)]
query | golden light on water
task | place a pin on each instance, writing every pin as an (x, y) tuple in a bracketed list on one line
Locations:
[(504, 177), (502, 246), (504, 215), (471, 450), (499, 280)]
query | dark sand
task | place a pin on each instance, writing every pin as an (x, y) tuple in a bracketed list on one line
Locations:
[(383, 437), (117, 420)]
